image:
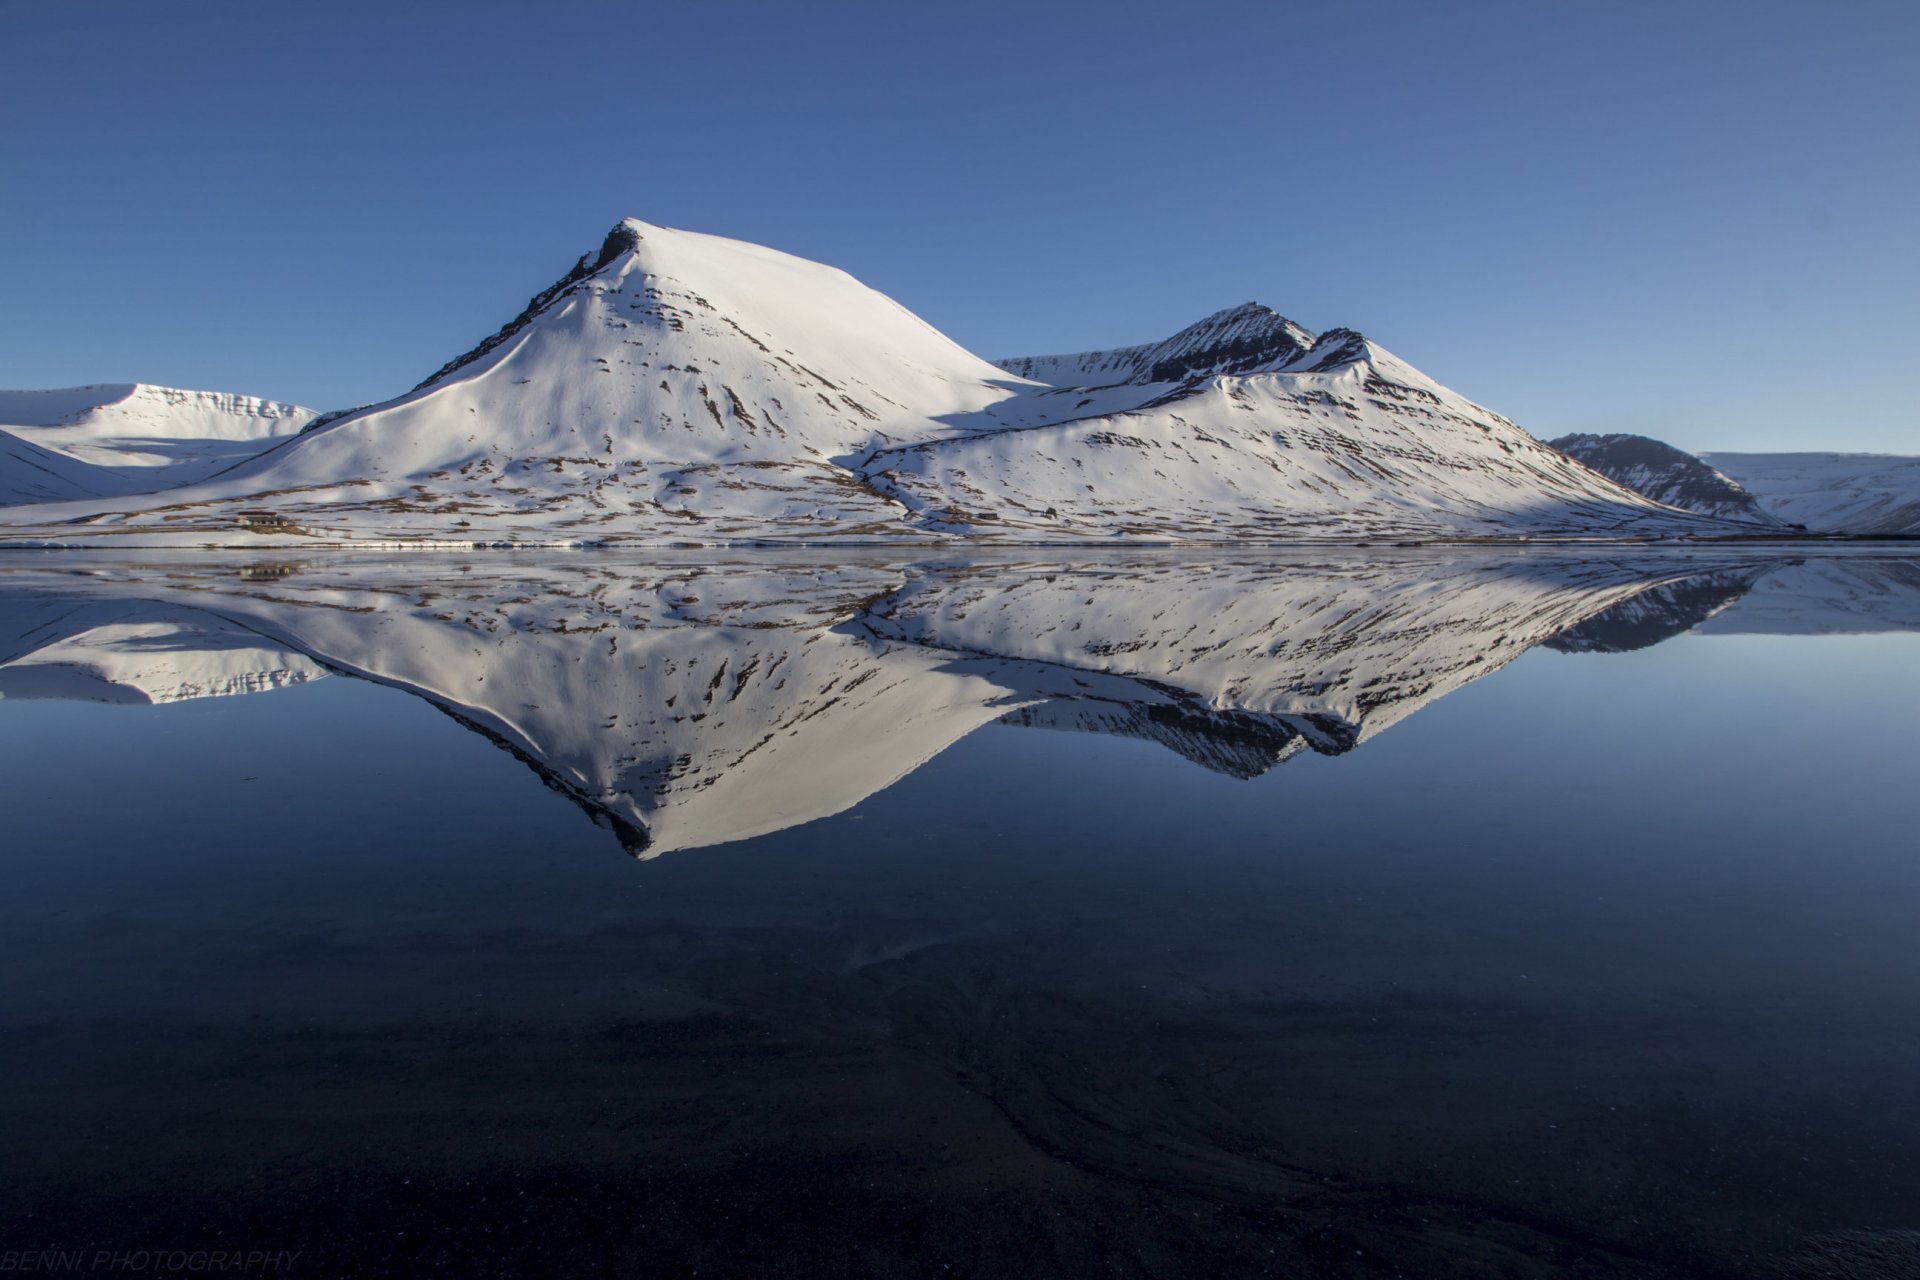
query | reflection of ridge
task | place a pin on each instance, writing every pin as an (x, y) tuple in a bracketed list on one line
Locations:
[(633, 839), (1238, 744), (137, 652), (1334, 649), (690, 705), (1659, 613)]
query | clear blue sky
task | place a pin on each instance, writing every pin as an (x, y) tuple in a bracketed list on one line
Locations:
[(1697, 221)]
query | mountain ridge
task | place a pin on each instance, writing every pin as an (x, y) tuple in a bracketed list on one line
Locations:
[(135, 437), (677, 386), (1856, 493), (1666, 474)]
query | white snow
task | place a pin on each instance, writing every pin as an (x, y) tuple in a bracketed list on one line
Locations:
[(29, 473), (685, 387), (1237, 340), (1831, 492), (134, 438)]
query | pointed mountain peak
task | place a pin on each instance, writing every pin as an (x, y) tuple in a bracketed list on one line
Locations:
[(623, 239), (1334, 348), (1242, 339)]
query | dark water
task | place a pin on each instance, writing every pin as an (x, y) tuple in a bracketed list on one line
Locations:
[(1347, 914)]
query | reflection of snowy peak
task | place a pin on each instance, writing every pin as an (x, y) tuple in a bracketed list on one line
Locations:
[(690, 705), (1658, 613), (139, 652), (1333, 650), (135, 438), (682, 387), (1665, 474), (1238, 744)]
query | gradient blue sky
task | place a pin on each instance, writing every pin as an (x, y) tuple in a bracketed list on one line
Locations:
[(1696, 221)]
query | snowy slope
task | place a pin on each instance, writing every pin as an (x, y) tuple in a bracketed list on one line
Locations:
[(1082, 368), (1665, 474), (676, 386), (29, 473), (1831, 492), (151, 437), (1342, 440), (1242, 338), (670, 380)]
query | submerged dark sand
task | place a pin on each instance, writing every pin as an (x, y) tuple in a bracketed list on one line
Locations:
[(902, 1091)]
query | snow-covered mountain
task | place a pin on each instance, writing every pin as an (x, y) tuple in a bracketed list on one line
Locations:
[(1665, 474), (1343, 440), (125, 438), (1239, 340), (686, 704), (1863, 493), (29, 473), (682, 387)]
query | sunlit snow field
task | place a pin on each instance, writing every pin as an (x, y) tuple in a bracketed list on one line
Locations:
[(1461, 913)]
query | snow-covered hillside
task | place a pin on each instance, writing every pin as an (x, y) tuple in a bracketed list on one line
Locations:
[(1831, 492), (682, 387), (29, 473), (124, 438), (1665, 474), (1241, 339), (1344, 440)]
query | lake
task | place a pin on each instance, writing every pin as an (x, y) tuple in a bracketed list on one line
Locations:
[(1324, 912)]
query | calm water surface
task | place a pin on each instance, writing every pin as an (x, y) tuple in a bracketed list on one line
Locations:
[(1333, 914)]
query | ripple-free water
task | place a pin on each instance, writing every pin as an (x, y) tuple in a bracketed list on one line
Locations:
[(1426, 914)]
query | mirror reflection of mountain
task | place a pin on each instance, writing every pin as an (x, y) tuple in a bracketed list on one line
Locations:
[(1659, 613), (691, 703), (136, 651), (1829, 595)]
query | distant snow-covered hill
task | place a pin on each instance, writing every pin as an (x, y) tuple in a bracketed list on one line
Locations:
[(682, 387), (124, 438), (1868, 493), (1665, 474), (29, 473)]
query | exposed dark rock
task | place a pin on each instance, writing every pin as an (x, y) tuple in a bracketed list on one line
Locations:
[(1665, 474), (619, 240)]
